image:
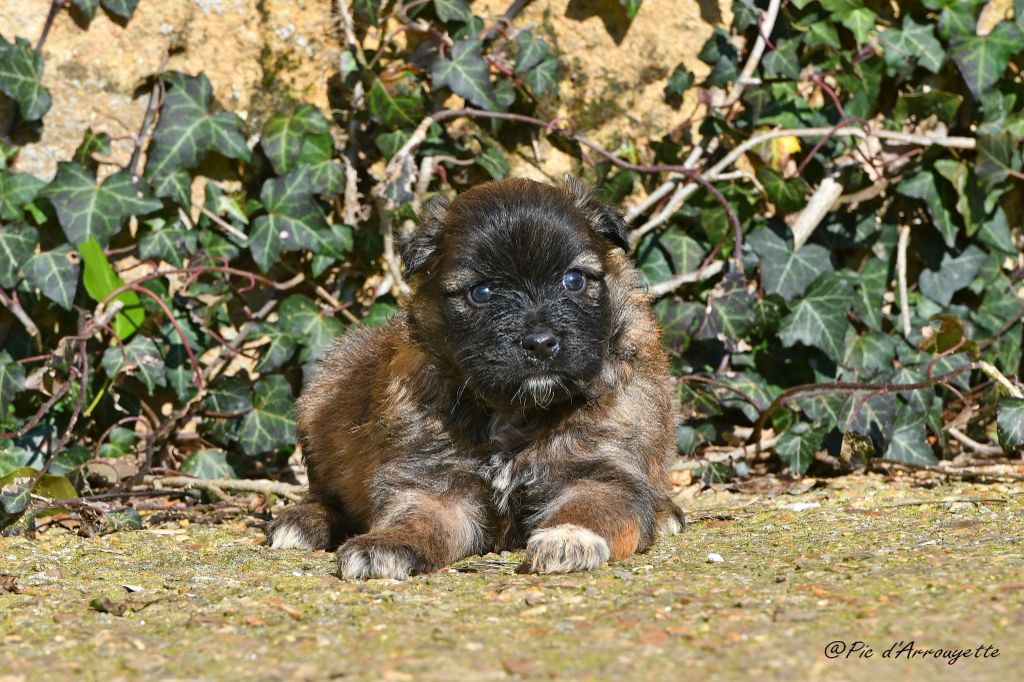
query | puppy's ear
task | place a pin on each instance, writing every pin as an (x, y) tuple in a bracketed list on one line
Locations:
[(418, 244), (604, 220)]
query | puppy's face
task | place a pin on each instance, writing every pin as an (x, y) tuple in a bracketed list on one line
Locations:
[(510, 290)]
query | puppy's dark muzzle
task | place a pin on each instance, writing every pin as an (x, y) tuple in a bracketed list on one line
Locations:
[(540, 345)]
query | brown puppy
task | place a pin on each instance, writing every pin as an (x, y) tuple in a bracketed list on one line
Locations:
[(520, 397)]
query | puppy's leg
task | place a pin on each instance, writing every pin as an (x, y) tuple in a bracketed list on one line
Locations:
[(418, 531), (309, 524), (590, 522)]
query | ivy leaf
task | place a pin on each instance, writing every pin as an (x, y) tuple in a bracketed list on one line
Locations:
[(679, 82), (280, 349), (101, 280), (17, 190), (826, 410), (983, 59), (91, 210), (452, 10), (12, 380), (954, 274), (188, 129), (208, 463), (870, 415), (87, 7), (284, 134), (92, 143), (787, 273), (55, 273), (998, 157), (395, 108), (141, 358), (293, 220), (787, 194), (324, 176), (380, 313), (494, 162), (466, 74), (937, 200), (730, 312), (869, 351), (121, 8), (120, 443), (17, 242), (269, 425), (819, 319), (861, 23), (797, 446), (300, 316), (874, 282), (21, 73), (662, 257), (908, 443), (913, 43), (168, 244), (543, 78), (783, 61), (228, 395), (532, 51), (1010, 425)]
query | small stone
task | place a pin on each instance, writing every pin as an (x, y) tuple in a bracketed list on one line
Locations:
[(715, 558), (802, 506)]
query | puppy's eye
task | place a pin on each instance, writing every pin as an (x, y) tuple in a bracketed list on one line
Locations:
[(480, 294), (574, 280)]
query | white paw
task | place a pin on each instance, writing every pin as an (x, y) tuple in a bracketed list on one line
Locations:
[(669, 526), (290, 536), (565, 548), (365, 560)]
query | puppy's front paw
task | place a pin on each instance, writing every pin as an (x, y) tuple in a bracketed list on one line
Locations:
[(365, 557), (565, 548)]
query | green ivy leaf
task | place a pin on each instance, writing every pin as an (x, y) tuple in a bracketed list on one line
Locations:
[(141, 357), (284, 134), (188, 129), (380, 313), (228, 395), (954, 274), (874, 283), (870, 415), (783, 62), (87, 7), (269, 425), (12, 380), (909, 443), (787, 194), (120, 443), (55, 273), (787, 273), (280, 349), (101, 280), (913, 43), (819, 319), (121, 8), (208, 463), (466, 74), (300, 316), (169, 244), (293, 220), (324, 176), (494, 162), (983, 59), (937, 200), (17, 243), (452, 10), (870, 351), (797, 446), (730, 313), (861, 22), (91, 210), (21, 74), (16, 191), (532, 51), (543, 78), (1010, 425), (679, 81), (92, 143), (998, 157)]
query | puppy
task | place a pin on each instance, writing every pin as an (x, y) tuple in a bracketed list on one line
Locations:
[(521, 397)]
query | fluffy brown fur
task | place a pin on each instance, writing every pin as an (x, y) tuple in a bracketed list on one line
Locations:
[(437, 436)]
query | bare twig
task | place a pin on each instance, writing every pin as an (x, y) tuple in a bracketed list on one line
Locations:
[(764, 32), (1001, 379), (265, 487), (698, 275), (818, 206), (901, 273), (224, 225), (973, 445), (12, 303)]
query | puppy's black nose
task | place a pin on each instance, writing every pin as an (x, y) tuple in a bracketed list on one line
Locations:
[(542, 345)]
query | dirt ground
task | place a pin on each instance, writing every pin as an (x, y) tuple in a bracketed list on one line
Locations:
[(756, 587)]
